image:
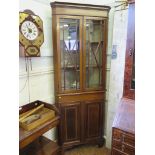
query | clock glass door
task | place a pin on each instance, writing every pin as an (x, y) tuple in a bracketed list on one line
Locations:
[(94, 45), (70, 50)]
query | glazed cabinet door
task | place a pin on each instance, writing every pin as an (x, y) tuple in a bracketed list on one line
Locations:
[(93, 125), (69, 53), (94, 53), (70, 124)]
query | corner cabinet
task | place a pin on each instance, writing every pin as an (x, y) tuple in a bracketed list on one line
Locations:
[(79, 45)]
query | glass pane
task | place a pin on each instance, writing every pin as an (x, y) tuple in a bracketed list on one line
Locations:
[(70, 52), (94, 47)]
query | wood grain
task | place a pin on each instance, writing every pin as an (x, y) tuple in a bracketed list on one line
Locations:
[(123, 129), (26, 137), (76, 106), (128, 92), (31, 112), (41, 146)]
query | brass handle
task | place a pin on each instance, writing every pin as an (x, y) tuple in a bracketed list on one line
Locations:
[(130, 52), (123, 148), (123, 138)]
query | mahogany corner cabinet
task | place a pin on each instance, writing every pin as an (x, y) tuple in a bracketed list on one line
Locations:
[(80, 45)]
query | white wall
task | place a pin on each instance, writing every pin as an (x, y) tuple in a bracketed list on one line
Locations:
[(40, 85), (41, 78), (117, 70)]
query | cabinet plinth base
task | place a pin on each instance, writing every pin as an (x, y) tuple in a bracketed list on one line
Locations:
[(101, 143), (97, 142)]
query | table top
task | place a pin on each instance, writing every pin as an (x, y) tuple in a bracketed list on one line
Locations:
[(125, 116)]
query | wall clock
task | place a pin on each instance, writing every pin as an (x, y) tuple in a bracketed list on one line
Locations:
[(31, 35)]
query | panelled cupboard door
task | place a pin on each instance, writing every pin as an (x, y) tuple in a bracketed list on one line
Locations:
[(69, 32), (93, 116), (94, 51), (70, 122)]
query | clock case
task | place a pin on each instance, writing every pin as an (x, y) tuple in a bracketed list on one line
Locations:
[(30, 48)]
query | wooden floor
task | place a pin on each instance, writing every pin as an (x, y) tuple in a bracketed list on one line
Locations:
[(88, 150)]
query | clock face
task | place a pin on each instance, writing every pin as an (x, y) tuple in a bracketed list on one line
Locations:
[(29, 30)]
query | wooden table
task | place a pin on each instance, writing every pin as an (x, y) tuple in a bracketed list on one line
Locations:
[(32, 142)]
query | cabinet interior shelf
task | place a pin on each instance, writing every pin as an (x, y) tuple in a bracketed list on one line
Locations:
[(72, 67), (96, 42)]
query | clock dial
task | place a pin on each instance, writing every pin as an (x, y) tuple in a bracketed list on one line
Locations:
[(29, 30)]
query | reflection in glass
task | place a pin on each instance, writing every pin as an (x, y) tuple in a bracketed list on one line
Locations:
[(69, 46), (94, 46)]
